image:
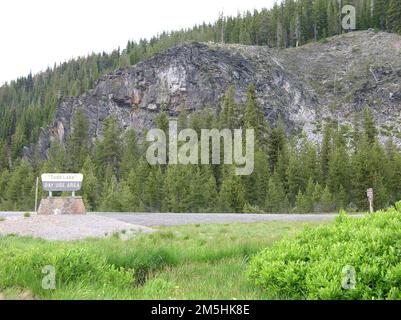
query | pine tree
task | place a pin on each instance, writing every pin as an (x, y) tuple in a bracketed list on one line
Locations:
[(252, 114), (232, 193), (77, 147), (228, 113), (339, 174), (177, 188), (182, 121), (301, 203), (332, 18), (307, 205), (394, 16), (309, 160), (3, 156), (110, 198), (109, 149), (325, 152), (379, 13), (135, 186), (380, 192), (56, 158), (280, 33), (19, 140), (196, 123), (295, 177), (276, 143), (154, 190), (276, 199), (320, 18), (202, 190), (393, 174), (211, 196), (138, 177), (369, 126), (368, 169), (317, 197), (4, 180), (255, 184), (130, 152), (20, 188), (326, 201), (255, 119), (126, 198), (89, 185)]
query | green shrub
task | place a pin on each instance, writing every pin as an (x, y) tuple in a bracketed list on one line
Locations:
[(310, 266), (23, 268), (252, 209), (27, 214)]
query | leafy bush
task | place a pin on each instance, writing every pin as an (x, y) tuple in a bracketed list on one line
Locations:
[(311, 265)]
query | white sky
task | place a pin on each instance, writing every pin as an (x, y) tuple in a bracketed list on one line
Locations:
[(36, 33)]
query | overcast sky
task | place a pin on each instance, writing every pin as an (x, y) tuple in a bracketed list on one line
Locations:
[(37, 33)]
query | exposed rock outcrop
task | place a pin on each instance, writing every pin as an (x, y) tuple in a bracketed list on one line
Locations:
[(305, 85)]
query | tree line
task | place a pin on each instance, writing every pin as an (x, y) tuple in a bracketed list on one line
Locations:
[(291, 173), (30, 102)]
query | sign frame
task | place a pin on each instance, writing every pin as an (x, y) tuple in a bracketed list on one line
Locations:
[(64, 182)]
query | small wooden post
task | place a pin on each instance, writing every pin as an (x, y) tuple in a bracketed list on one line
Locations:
[(370, 198), (36, 194)]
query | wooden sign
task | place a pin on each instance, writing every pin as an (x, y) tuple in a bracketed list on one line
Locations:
[(69, 182)]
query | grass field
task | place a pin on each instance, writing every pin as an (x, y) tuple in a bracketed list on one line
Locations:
[(185, 262)]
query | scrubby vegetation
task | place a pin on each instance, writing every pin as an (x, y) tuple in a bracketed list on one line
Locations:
[(314, 264), (187, 262)]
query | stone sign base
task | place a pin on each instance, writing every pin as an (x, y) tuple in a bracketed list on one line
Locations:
[(61, 205)]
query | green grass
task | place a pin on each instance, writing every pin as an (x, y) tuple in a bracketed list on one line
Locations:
[(185, 262)]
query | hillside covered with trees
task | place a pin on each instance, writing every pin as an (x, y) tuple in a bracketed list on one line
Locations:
[(29, 102), (291, 174)]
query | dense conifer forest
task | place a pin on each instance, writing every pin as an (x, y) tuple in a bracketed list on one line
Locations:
[(291, 173)]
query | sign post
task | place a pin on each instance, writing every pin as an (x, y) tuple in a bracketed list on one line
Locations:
[(370, 198), (36, 194)]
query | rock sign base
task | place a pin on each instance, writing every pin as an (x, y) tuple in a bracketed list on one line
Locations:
[(61, 205)]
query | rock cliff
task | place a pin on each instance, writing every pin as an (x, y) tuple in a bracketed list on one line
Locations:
[(307, 85)]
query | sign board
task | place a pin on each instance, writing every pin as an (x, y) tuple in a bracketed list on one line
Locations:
[(69, 182), (369, 193)]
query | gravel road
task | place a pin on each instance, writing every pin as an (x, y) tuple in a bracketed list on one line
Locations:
[(67, 227), (76, 227), (172, 219)]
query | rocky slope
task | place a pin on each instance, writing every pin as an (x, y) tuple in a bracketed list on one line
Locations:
[(305, 85)]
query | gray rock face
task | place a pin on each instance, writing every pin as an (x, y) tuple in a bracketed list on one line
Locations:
[(305, 85)]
